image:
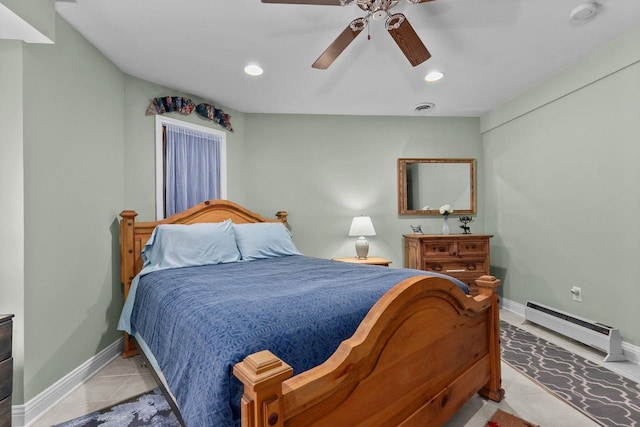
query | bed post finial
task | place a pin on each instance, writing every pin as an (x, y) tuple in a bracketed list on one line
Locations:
[(262, 374), (282, 216)]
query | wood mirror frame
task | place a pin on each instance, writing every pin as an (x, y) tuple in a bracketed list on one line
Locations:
[(468, 179)]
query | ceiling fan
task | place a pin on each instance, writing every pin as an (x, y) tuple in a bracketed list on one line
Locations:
[(396, 24)]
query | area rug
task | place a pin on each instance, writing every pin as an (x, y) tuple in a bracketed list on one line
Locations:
[(505, 419), (149, 409), (604, 396)]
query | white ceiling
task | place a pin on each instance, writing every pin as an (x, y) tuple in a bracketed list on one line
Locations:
[(489, 50)]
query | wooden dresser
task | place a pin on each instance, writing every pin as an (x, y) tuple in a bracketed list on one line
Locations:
[(6, 369), (463, 256)]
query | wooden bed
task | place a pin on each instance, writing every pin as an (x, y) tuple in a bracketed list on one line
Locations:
[(420, 353)]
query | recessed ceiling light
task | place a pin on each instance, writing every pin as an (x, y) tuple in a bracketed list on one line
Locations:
[(584, 12), (253, 70), (434, 76)]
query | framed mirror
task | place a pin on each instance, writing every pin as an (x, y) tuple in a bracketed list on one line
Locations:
[(426, 184)]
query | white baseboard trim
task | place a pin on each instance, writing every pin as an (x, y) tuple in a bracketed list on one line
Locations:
[(630, 351), (25, 415), (512, 306)]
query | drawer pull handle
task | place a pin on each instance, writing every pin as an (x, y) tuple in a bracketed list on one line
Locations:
[(441, 249), (459, 270), (471, 266), (436, 267)]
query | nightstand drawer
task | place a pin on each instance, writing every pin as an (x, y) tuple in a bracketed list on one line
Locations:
[(5, 339), (455, 267), (5, 412), (6, 376)]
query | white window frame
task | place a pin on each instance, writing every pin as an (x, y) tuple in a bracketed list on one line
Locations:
[(161, 121)]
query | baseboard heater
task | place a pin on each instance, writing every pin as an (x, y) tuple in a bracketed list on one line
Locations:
[(594, 334)]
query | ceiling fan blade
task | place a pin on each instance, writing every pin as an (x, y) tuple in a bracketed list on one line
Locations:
[(407, 39), (344, 39), (319, 2)]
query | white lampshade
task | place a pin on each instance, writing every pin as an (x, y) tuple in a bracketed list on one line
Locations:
[(362, 226)]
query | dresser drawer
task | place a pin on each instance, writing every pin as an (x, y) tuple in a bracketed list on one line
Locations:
[(6, 375), (469, 280), (5, 412), (439, 249), (478, 247), (5, 339), (475, 267)]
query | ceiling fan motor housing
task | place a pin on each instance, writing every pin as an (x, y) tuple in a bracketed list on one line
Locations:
[(379, 8)]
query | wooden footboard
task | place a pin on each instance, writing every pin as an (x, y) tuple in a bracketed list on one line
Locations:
[(420, 353)]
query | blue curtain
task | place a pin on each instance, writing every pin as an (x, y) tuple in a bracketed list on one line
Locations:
[(192, 168)]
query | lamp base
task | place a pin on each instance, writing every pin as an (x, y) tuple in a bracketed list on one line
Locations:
[(362, 247)]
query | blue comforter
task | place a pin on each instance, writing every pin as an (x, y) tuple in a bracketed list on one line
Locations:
[(200, 321)]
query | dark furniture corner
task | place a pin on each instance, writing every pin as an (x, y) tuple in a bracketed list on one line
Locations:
[(6, 369)]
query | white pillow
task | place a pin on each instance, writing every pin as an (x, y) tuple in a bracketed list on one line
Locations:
[(179, 245), (264, 240)]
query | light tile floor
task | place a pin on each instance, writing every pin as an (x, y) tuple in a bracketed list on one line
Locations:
[(118, 381), (125, 378)]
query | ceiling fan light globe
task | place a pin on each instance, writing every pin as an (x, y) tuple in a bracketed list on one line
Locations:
[(358, 24), (365, 5), (394, 21)]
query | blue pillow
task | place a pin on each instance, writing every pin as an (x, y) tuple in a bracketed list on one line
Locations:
[(179, 245), (264, 240)]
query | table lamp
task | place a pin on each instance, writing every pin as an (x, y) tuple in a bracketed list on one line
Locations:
[(362, 226)]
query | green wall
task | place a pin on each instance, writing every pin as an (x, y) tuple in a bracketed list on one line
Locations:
[(324, 170), (73, 184), (561, 188), (12, 196), (556, 182)]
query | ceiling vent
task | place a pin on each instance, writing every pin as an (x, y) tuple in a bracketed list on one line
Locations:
[(425, 107)]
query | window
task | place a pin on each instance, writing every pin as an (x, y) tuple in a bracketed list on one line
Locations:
[(191, 165)]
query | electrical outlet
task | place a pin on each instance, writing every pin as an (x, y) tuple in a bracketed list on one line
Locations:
[(577, 293)]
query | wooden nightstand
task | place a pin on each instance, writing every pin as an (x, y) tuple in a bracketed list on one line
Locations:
[(367, 261)]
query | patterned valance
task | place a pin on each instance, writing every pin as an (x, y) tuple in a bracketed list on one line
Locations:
[(182, 105)]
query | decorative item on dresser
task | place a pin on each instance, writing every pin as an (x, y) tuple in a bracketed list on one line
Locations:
[(463, 256), (6, 369), (367, 261)]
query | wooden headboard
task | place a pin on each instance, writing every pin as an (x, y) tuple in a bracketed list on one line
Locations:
[(134, 235)]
